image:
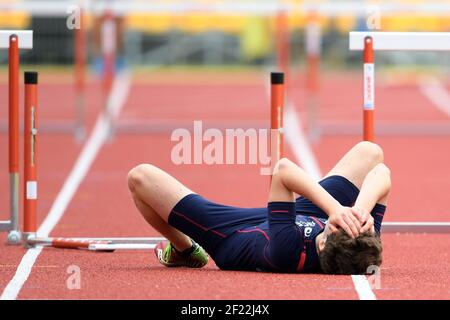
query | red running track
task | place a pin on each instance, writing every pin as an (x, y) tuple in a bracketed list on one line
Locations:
[(415, 266)]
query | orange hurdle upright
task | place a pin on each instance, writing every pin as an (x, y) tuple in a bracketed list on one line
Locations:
[(14, 40), (30, 154), (80, 76), (13, 82), (108, 40), (276, 117), (313, 52), (369, 90)]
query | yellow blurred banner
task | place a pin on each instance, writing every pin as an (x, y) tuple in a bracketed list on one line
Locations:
[(200, 20)]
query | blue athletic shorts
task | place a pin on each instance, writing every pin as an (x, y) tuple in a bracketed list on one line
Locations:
[(211, 224)]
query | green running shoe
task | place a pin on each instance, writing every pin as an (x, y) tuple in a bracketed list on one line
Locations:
[(195, 257)]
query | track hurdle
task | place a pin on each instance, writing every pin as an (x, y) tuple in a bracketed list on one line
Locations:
[(30, 197), (80, 78), (111, 244), (62, 126), (14, 41), (277, 94), (369, 42)]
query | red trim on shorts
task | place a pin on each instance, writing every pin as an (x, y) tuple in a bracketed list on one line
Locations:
[(253, 230), (199, 225)]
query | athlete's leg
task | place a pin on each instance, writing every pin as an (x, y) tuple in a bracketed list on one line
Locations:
[(176, 237), (356, 163), (155, 194)]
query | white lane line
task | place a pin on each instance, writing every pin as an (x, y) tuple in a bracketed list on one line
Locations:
[(435, 91), (303, 153), (23, 271), (299, 144), (363, 288), (87, 156)]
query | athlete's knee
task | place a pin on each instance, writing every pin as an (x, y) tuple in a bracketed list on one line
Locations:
[(370, 151), (139, 175), (282, 165)]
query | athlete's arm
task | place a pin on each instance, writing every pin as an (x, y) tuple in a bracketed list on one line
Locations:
[(288, 178), (374, 189)]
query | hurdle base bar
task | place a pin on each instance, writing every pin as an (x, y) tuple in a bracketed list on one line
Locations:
[(127, 240), (109, 247), (94, 244), (415, 227)]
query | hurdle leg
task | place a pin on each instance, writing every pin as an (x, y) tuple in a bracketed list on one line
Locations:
[(109, 48), (108, 43), (283, 43), (276, 118), (14, 236), (369, 90), (313, 52), (30, 155), (80, 80)]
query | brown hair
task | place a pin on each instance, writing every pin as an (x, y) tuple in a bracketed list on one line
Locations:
[(344, 255)]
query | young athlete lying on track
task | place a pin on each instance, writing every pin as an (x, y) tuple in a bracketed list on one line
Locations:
[(333, 227)]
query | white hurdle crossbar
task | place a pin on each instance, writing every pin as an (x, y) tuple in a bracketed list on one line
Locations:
[(401, 41), (415, 227), (25, 38)]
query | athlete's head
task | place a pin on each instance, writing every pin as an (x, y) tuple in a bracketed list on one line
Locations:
[(341, 254)]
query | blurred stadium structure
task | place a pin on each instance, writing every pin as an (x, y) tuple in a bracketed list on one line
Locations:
[(218, 32)]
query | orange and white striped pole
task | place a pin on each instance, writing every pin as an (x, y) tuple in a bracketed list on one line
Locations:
[(30, 154), (13, 60), (276, 116), (369, 90)]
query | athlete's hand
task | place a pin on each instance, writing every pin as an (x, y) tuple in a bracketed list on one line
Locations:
[(364, 217), (343, 217)]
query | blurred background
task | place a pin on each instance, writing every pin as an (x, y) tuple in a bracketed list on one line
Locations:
[(218, 32)]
